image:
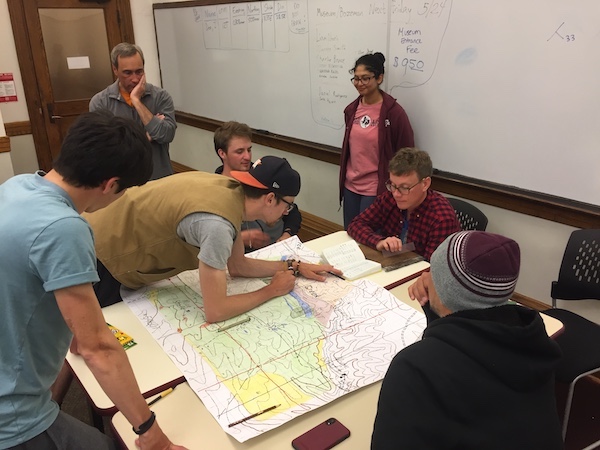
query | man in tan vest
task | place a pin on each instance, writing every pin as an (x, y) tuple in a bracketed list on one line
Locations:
[(191, 220)]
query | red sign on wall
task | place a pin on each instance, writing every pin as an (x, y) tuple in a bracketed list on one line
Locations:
[(8, 92)]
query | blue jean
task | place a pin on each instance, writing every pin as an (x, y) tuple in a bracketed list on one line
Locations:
[(67, 433), (354, 204)]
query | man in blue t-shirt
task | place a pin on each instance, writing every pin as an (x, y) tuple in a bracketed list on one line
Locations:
[(48, 265)]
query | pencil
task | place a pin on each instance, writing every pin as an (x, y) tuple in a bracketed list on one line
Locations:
[(163, 394), (336, 275), (252, 416), (235, 324)]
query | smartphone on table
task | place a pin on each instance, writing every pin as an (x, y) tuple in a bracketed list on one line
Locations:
[(324, 436)]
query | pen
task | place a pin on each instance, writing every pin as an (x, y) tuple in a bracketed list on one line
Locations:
[(163, 394), (252, 416), (235, 324)]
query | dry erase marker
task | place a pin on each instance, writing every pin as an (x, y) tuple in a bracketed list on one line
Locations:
[(163, 394), (252, 416)]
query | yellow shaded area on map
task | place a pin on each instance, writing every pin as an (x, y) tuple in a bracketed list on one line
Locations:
[(288, 366), (319, 355), (153, 297), (266, 389)]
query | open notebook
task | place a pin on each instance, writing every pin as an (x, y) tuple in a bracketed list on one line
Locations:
[(349, 258)]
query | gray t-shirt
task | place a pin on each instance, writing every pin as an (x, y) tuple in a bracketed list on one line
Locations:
[(213, 234)]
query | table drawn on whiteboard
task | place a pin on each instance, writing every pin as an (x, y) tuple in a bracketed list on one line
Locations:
[(264, 26)]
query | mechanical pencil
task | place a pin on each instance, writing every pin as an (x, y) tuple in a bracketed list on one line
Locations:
[(235, 324), (336, 275), (252, 416)]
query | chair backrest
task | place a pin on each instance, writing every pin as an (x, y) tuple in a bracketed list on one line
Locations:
[(470, 217), (579, 275)]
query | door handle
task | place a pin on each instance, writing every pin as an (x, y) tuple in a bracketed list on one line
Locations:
[(51, 114)]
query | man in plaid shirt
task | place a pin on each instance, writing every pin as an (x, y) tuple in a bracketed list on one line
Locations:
[(408, 211)]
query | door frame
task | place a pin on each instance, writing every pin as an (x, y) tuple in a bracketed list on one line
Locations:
[(33, 98)]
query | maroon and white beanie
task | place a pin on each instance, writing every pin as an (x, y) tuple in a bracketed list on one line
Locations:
[(475, 270)]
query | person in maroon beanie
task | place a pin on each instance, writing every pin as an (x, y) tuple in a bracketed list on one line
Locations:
[(482, 377)]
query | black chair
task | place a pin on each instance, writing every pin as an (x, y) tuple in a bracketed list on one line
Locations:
[(469, 216), (578, 279)]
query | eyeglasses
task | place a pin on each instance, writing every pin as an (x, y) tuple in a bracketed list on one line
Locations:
[(403, 190), (362, 80), (290, 206)]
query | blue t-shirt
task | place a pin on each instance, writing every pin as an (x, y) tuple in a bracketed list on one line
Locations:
[(45, 245)]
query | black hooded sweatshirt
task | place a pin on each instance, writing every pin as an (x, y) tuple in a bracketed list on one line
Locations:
[(479, 379)]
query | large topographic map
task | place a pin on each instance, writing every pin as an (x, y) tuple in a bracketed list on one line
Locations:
[(295, 353)]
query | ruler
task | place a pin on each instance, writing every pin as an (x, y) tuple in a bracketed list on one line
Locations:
[(406, 262)]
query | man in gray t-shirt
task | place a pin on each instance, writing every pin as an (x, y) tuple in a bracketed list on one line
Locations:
[(135, 240)]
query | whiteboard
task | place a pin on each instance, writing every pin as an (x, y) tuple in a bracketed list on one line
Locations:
[(506, 92)]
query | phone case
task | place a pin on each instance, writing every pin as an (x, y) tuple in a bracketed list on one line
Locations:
[(322, 437)]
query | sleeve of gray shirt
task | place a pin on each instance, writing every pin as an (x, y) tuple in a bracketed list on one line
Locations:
[(213, 234), (96, 102), (160, 102)]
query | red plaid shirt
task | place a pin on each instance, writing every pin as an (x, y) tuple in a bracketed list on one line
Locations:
[(428, 225)]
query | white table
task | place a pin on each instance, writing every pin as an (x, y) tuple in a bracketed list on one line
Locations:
[(183, 417), (153, 369), (553, 325)]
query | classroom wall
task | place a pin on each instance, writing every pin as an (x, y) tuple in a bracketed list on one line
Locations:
[(6, 168), (22, 157), (542, 242), (6, 43)]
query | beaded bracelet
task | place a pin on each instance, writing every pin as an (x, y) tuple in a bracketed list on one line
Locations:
[(290, 266), (146, 425), (290, 263)]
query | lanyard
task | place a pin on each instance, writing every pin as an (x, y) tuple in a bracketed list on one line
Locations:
[(404, 231)]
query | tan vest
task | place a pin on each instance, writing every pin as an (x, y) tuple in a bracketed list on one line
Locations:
[(136, 236)]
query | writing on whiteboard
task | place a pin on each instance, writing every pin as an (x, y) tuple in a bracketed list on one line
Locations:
[(418, 29), (558, 33), (251, 26)]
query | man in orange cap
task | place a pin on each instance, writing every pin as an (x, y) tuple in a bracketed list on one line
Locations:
[(191, 220)]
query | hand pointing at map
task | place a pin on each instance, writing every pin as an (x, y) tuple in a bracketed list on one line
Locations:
[(317, 271)]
